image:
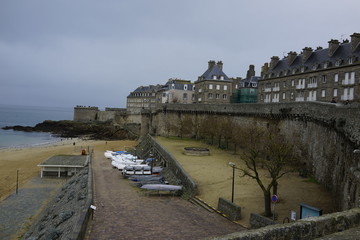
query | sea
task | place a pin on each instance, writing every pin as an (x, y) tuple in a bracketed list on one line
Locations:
[(29, 116)]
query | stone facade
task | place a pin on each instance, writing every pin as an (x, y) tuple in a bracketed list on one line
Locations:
[(177, 91), (144, 97), (213, 86), (331, 74)]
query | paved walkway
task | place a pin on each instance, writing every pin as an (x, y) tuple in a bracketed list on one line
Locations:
[(125, 212), (17, 210)]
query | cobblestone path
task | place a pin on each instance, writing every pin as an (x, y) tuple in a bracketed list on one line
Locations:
[(18, 210), (125, 212)]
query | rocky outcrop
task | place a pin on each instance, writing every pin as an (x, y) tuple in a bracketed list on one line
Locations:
[(71, 129)]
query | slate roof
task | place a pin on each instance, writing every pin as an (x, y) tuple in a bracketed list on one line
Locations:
[(149, 88), (317, 57), (214, 70), (248, 82), (178, 85), (65, 160)]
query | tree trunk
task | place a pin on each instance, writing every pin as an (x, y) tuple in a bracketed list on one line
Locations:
[(267, 201), (275, 188)]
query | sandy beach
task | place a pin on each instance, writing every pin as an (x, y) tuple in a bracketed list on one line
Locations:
[(25, 160)]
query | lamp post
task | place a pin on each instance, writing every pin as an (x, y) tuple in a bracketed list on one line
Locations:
[(233, 180)]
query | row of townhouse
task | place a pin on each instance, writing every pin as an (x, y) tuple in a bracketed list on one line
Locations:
[(327, 75), (212, 87)]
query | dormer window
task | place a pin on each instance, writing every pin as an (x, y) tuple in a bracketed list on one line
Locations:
[(173, 86), (314, 67), (338, 62), (214, 77), (294, 71), (221, 77), (254, 84), (350, 61), (302, 69), (326, 65)]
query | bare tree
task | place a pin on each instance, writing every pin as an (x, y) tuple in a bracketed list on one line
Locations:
[(270, 150)]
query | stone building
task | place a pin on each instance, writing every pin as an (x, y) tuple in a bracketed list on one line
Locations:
[(330, 74), (177, 91), (144, 97), (213, 86)]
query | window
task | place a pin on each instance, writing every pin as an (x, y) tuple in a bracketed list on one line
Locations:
[(292, 83), (254, 84), (284, 96), (335, 92), (284, 84), (217, 87), (336, 77), (225, 87), (210, 86), (214, 77), (323, 92), (224, 96), (185, 96), (221, 77), (326, 65), (210, 95), (350, 61), (294, 71), (302, 69), (352, 77), (338, 62), (236, 86), (323, 78), (217, 96), (314, 67), (185, 87)]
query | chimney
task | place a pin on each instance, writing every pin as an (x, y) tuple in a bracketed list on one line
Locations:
[(333, 45), (355, 39), (251, 72), (264, 69), (274, 61), (291, 57), (220, 64), (211, 64), (307, 51)]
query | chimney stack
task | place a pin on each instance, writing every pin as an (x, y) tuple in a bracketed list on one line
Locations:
[(274, 61), (264, 69), (291, 57), (355, 39), (251, 72), (307, 51), (220, 64), (211, 63), (333, 45)]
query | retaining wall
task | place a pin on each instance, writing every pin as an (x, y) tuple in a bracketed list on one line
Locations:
[(66, 216), (305, 229)]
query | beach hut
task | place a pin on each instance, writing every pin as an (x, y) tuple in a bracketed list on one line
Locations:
[(63, 165)]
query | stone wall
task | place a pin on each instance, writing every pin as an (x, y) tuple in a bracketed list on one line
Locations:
[(149, 145), (66, 216), (258, 221), (327, 135), (305, 229), (231, 210)]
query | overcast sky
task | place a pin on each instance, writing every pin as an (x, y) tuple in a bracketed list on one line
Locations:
[(87, 52)]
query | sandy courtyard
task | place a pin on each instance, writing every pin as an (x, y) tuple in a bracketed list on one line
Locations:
[(214, 178)]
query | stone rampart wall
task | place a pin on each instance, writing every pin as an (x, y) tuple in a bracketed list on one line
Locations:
[(66, 216), (327, 135)]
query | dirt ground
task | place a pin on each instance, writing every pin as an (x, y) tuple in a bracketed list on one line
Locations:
[(214, 178), (25, 160)]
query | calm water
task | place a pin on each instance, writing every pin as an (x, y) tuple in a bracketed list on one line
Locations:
[(28, 116)]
